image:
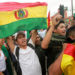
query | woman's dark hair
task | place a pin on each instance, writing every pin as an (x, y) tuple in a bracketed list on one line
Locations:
[(61, 21)]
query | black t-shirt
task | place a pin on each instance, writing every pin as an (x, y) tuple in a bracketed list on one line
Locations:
[(55, 48), (53, 51)]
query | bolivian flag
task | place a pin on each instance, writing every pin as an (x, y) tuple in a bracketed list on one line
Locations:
[(68, 60), (22, 16)]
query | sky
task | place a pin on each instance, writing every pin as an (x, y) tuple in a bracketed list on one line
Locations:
[(53, 5)]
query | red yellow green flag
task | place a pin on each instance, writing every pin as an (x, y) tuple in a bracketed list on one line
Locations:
[(49, 19), (22, 16), (68, 60)]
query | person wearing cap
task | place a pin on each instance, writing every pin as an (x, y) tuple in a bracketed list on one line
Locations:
[(53, 41), (28, 59)]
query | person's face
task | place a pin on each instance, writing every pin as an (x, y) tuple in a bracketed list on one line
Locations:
[(1, 42), (37, 42), (21, 40), (34, 33), (61, 29)]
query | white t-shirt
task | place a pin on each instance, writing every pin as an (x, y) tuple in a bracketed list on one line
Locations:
[(2, 62), (29, 62)]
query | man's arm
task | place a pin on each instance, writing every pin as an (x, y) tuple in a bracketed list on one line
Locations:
[(48, 36), (55, 68), (33, 34), (10, 43)]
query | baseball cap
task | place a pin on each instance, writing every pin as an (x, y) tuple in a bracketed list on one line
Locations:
[(19, 33)]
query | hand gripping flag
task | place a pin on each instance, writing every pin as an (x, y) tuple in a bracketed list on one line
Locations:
[(22, 16), (68, 60)]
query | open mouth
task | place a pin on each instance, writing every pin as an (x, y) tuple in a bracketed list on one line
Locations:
[(63, 32)]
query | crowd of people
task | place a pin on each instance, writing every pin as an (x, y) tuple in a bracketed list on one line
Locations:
[(41, 54)]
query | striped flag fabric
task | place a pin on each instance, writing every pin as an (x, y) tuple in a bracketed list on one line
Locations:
[(16, 16), (49, 19), (68, 60)]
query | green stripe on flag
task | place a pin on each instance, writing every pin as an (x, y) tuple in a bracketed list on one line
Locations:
[(24, 24)]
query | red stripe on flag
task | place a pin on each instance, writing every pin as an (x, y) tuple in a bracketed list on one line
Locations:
[(70, 50), (49, 19), (9, 6)]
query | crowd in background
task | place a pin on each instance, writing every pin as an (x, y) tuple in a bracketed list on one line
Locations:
[(41, 54)]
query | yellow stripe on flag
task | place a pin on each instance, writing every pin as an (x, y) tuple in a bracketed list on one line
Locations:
[(33, 12), (67, 65)]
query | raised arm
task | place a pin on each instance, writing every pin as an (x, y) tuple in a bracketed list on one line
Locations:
[(48, 36), (10, 43), (33, 34)]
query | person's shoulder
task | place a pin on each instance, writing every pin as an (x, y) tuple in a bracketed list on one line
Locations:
[(28, 47)]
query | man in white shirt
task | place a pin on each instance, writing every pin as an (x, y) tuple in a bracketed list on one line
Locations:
[(28, 59)]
